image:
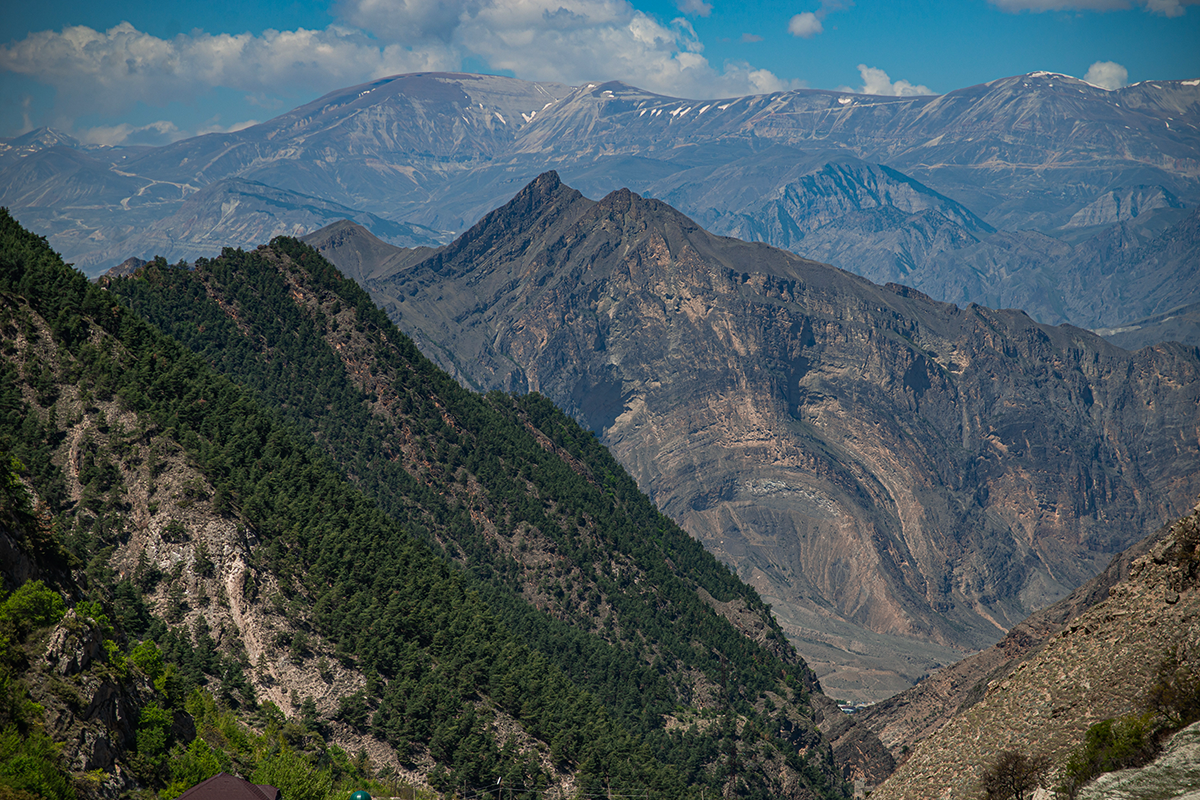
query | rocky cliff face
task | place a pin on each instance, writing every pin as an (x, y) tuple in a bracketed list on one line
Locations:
[(902, 479), (1122, 206)]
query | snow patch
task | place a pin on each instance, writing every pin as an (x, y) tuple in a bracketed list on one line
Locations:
[(845, 101), (1190, 83), (502, 119)]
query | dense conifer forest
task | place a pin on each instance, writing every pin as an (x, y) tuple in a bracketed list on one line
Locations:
[(474, 558)]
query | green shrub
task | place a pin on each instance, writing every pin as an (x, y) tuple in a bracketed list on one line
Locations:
[(1109, 745), (29, 762), (29, 608), (294, 776), (1175, 693)]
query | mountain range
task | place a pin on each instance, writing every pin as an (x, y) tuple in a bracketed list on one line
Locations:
[(282, 543), (902, 479), (1005, 194), (222, 517)]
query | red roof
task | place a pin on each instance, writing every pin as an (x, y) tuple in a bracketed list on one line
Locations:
[(224, 786)]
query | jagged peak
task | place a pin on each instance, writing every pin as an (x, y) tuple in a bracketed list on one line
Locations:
[(535, 196), (539, 197)]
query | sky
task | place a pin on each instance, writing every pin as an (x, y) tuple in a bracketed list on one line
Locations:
[(155, 71)]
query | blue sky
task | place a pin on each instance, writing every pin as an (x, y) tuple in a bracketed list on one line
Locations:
[(151, 71)]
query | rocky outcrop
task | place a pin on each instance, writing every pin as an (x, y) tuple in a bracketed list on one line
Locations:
[(862, 754), (902, 479), (1121, 206), (91, 706), (74, 644)]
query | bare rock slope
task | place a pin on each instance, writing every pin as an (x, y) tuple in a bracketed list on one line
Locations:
[(1098, 666)]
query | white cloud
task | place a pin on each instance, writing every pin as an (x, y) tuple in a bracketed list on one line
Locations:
[(1169, 8), (155, 134), (213, 126), (1166, 8), (808, 24), (876, 81), (1107, 75), (409, 22), (805, 25), (575, 41), (110, 71), (697, 8)]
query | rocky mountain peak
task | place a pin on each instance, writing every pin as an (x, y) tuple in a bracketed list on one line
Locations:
[(878, 464)]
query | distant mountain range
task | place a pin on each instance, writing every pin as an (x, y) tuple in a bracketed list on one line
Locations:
[(903, 480), (1037, 191)]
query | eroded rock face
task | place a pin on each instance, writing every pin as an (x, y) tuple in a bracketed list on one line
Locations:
[(907, 719), (902, 479), (74, 643)]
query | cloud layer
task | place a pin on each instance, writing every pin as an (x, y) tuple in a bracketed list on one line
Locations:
[(571, 41), (109, 71)]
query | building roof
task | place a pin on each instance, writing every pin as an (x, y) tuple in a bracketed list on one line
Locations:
[(224, 786)]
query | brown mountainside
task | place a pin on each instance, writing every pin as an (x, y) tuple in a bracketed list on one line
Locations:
[(902, 479), (1099, 665), (909, 718)]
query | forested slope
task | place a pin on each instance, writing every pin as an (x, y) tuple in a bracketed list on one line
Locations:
[(574, 639)]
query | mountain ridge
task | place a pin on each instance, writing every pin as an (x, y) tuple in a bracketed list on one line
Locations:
[(346, 597), (752, 392), (1124, 637), (1025, 154)]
